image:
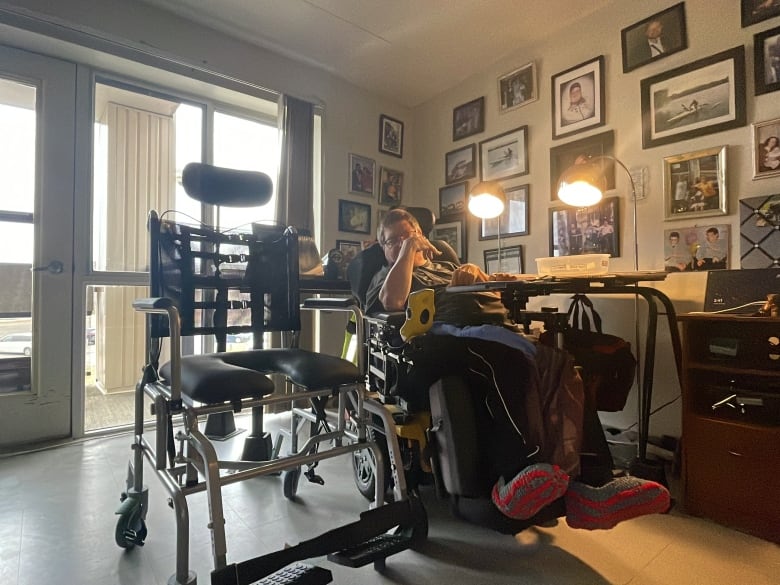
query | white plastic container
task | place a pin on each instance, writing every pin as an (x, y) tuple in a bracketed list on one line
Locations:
[(578, 265)]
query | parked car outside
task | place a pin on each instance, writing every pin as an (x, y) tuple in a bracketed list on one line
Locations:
[(16, 343)]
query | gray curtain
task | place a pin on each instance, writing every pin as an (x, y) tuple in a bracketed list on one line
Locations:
[(294, 188)]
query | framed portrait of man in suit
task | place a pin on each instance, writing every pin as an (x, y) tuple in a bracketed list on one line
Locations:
[(654, 38)]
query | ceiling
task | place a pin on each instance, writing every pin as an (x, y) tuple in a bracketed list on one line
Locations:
[(407, 51)]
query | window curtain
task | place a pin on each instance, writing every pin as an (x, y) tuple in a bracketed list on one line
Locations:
[(294, 188)]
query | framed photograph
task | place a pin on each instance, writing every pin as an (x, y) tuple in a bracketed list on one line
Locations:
[(510, 262), (704, 247), (468, 119), (460, 164), (391, 186), (759, 234), (452, 199), (766, 149), (766, 53), (453, 232), (754, 11), (654, 38), (587, 230), (579, 151), (354, 217), (504, 156), (517, 88), (514, 220), (695, 184), (391, 136), (349, 249), (578, 98), (700, 98), (361, 175)]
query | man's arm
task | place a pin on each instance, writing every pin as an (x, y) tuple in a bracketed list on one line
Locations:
[(398, 283)]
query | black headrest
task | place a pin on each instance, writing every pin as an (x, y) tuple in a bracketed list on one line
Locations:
[(424, 217), (228, 187)]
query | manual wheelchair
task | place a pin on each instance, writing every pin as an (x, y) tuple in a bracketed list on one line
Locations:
[(208, 283)]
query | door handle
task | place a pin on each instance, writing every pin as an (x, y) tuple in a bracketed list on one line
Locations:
[(55, 267)]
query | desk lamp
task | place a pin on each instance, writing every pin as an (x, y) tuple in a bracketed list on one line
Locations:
[(486, 201), (583, 185)]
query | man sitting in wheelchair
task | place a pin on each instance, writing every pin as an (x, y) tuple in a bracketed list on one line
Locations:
[(537, 461)]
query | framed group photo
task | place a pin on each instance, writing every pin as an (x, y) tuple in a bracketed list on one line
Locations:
[(580, 151), (700, 247), (654, 38), (766, 149), (468, 119), (578, 98), (354, 217), (587, 230), (508, 260), (452, 231), (452, 199), (766, 62), (754, 11), (699, 98), (391, 136), (460, 164), (517, 88), (391, 186), (513, 221), (361, 174), (695, 184), (504, 156)]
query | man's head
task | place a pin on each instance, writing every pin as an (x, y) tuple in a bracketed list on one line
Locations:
[(397, 226), (654, 29), (712, 234), (674, 237)]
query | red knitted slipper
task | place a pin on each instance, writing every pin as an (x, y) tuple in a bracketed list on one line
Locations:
[(530, 490), (621, 499)]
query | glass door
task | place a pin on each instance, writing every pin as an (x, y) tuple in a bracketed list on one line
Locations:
[(37, 129)]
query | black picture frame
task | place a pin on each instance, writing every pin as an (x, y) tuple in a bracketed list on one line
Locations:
[(460, 164), (514, 220), (468, 119), (755, 11), (391, 186), (587, 230), (712, 99), (349, 248), (517, 88), (578, 98), (391, 136), (505, 155), (362, 174), (452, 199), (354, 217), (452, 231), (510, 262), (766, 60), (565, 155), (667, 27)]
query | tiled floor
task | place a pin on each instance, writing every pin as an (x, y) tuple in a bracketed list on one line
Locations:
[(57, 523)]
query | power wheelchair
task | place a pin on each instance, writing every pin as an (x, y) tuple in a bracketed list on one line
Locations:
[(441, 430), (211, 283)]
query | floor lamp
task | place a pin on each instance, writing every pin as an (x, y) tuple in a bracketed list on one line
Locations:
[(583, 185), (486, 201)]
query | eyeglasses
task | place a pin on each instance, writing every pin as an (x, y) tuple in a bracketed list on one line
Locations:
[(397, 240)]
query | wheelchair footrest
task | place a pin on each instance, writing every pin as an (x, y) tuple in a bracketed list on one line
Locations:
[(376, 549), (298, 574)]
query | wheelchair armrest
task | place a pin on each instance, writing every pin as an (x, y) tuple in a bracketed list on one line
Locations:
[(165, 306), (333, 304), (394, 319)]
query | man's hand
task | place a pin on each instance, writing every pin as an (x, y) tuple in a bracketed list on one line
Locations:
[(419, 243)]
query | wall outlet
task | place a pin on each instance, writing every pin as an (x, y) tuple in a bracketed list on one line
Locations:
[(639, 175)]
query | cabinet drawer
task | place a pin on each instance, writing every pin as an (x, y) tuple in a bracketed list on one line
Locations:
[(732, 470)]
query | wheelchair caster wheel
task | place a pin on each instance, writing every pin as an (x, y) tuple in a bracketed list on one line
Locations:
[(290, 481), (364, 462), (130, 527)]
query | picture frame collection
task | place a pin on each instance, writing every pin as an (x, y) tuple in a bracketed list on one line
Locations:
[(699, 98)]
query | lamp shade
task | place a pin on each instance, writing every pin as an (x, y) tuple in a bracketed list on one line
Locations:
[(487, 200), (583, 185)]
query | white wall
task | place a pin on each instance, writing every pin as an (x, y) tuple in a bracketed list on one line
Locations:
[(713, 26)]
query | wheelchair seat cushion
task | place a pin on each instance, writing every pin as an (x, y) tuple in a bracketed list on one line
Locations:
[(212, 379), (306, 368)]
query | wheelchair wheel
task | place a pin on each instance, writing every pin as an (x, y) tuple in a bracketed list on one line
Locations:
[(290, 481), (363, 463), (130, 527)]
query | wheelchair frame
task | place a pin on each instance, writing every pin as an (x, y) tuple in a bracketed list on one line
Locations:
[(195, 465)]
